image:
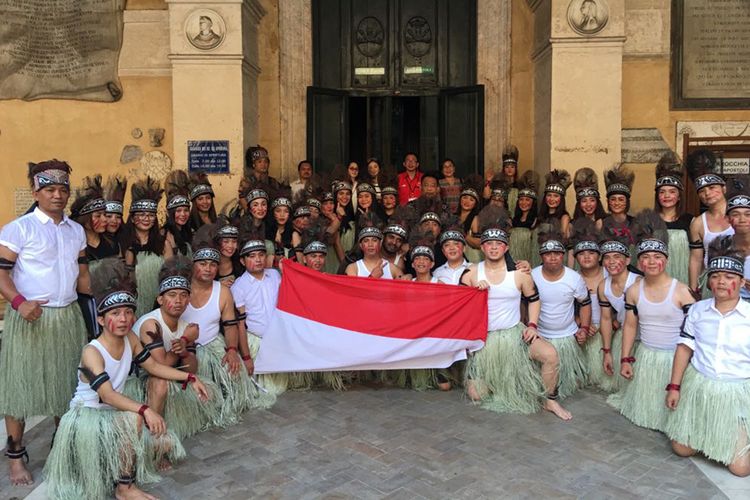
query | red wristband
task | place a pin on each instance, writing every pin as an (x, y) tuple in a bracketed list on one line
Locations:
[(230, 348), (246, 357), (142, 410), (532, 325), (190, 378), (187, 341), (584, 327), (627, 359), (605, 350), (17, 301), (673, 387)]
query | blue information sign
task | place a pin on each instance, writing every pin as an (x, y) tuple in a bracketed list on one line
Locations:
[(211, 157)]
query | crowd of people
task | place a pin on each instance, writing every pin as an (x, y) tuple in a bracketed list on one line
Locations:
[(157, 324)]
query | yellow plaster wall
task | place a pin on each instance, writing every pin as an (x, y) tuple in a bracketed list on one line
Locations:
[(522, 83), (88, 135), (269, 130), (645, 104)]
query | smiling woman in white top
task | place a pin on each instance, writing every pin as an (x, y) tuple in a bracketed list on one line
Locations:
[(709, 390)]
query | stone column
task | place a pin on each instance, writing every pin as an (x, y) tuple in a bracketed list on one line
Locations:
[(577, 84), (214, 80)]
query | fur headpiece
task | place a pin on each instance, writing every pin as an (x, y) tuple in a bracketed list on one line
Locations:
[(145, 195), (528, 184), (586, 183), (175, 274), (557, 181), (724, 257), (584, 236), (89, 198), (510, 154), (619, 180), (738, 193), (669, 171), (651, 233), (177, 187), (199, 185), (114, 193), (701, 167), (112, 286), (550, 237)]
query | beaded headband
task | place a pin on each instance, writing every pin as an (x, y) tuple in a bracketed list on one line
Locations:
[(583, 193), (726, 264), (256, 194), (281, 202), (312, 202), (327, 196), (396, 229), (51, 177), (494, 234), (739, 201), (389, 190), (424, 251), (708, 180), (315, 247), (613, 246), (500, 193), (199, 190), (452, 235), (669, 180), (207, 253), (528, 193), (555, 188), (174, 283), (93, 206), (116, 299), (583, 246), (470, 192), (618, 188), (113, 207), (652, 245), (178, 201), (253, 246), (143, 206), (259, 153), (430, 216), (341, 186), (303, 211), (369, 231), (551, 246), (228, 231), (364, 187)]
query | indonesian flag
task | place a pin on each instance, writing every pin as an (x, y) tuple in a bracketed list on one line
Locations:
[(327, 322)]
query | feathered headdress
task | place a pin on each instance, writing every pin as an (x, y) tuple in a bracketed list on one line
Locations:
[(619, 180), (701, 167), (528, 184), (89, 198), (315, 237), (738, 193), (251, 239), (422, 243), (650, 232), (584, 236), (402, 219), (175, 274), (510, 154), (114, 193), (206, 242), (472, 186), (586, 183), (145, 195), (199, 185), (550, 237), (557, 181), (177, 187), (614, 238), (669, 171), (252, 154), (494, 224), (112, 285), (724, 257)]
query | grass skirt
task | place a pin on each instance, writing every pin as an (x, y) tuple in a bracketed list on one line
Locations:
[(39, 361), (147, 281), (332, 262), (574, 370), (536, 259), (93, 448), (712, 416), (473, 255), (512, 201), (642, 400), (239, 393), (331, 380), (522, 244), (504, 372), (595, 358), (679, 255), (347, 239), (301, 381), (423, 379), (274, 383)]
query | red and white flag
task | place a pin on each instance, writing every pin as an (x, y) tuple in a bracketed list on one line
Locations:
[(326, 322)]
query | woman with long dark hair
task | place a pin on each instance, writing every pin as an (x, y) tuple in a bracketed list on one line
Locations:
[(89, 211), (522, 237), (588, 204), (450, 185), (669, 203), (553, 204), (619, 183), (202, 198), (176, 229)]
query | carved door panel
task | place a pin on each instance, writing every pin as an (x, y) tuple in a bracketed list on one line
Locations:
[(327, 127), (462, 128)]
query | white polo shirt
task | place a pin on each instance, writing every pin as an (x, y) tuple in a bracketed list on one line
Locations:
[(720, 342), (47, 263), (258, 297), (451, 276), (557, 317)]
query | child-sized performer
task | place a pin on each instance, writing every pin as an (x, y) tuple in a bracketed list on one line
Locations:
[(100, 446)]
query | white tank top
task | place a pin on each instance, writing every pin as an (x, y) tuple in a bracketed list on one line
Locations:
[(744, 293), (659, 323), (208, 317), (596, 310), (709, 236), (618, 303), (432, 280), (117, 369), (167, 334), (363, 272), (503, 301)]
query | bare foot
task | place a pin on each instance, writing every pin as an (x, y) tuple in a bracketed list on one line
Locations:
[(132, 492), (444, 386), (474, 390), (19, 474), (555, 407)]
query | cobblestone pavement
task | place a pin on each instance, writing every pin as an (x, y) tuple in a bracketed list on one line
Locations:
[(388, 443)]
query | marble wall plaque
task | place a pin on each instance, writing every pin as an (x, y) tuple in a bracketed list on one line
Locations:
[(711, 45)]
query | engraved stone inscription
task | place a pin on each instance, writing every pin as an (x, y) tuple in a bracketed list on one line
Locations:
[(64, 49), (716, 49)]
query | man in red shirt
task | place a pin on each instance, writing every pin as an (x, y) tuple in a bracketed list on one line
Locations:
[(409, 181)]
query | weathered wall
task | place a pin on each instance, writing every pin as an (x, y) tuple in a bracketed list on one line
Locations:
[(522, 84)]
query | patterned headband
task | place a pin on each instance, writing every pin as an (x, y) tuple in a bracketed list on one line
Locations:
[(652, 245), (201, 189), (669, 180), (115, 300), (92, 206), (314, 203), (365, 188), (281, 202), (555, 188), (176, 201), (551, 246), (228, 232), (303, 211), (452, 235), (583, 246), (430, 216), (51, 177), (618, 188), (259, 153), (708, 180), (726, 264), (143, 206), (389, 190), (424, 251), (494, 234), (174, 283), (315, 247), (113, 207), (739, 201), (583, 193), (396, 229), (207, 253), (256, 194), (253, 246), (470, 192), (613, 246), (528, 193), (370, 231)]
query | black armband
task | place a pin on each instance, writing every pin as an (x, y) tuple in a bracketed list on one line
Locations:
[(686, 335), (631, 307), (531, 298), (696, 244), (584, 302), (153, 345), (83, 260), (241, 317), (97, 381), (604, 303), (6, 264), (686, 307), (192, 348), (230, 322), (142, 356), (129, 267)]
